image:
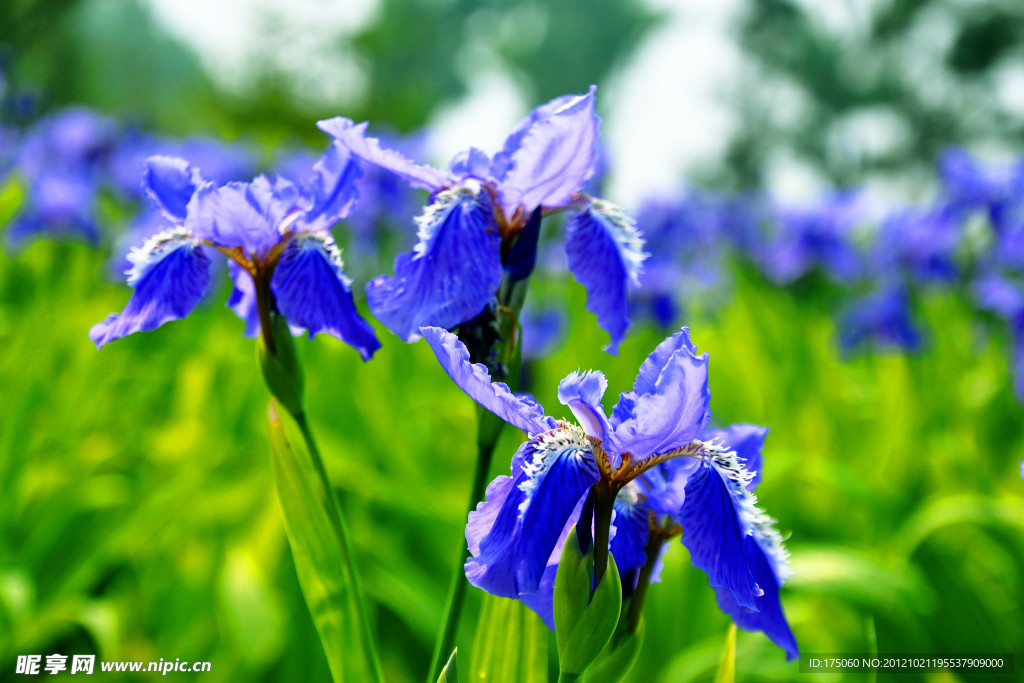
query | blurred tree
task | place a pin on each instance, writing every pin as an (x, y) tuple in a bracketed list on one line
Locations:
[(855, 89)]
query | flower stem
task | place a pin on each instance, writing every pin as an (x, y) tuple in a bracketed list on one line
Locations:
[(604, 503), (488, 430), (636, 605)]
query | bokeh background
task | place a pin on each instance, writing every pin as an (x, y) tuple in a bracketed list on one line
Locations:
[(137, 513)]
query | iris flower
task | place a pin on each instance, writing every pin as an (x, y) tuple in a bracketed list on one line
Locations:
[(275, 234), (666, 472), (482, 206)]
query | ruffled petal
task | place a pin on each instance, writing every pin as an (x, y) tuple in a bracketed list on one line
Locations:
[(312, 291), (248, 215), (170, 275), (768, 617), (513, 535), (518, 410), (554, 158), (561, 469), (450, 276), (715, 519), (170, 182), (669, 405), (582, 392), (332, 192), (605, 253), (746, 440), (353, 137)]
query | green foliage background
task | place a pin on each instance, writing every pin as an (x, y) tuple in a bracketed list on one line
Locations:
[(138, 518)]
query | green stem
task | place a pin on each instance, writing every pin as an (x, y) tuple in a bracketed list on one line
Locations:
[(636, 605), (564, 677), (487, 439), (604, 503), (341, 529)]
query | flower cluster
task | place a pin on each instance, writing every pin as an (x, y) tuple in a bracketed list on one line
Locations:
[(482, 222), (655, 462)]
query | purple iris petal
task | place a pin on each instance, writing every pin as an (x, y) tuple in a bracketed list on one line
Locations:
[(582, 392), (632, 529), (170, 182), (353, 137), (605, 253), (332, 191), (520, 411), (769, 617), (473, 163), (170, 276), (561, 469), (994, 292), (247, 215), (746, 440), (713, 532), (312, 292), (882, 318), (450, 276), (668, 406), (554, 157), (491, 535), (503, 159)]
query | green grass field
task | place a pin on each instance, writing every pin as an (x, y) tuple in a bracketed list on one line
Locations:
[(138, 518)]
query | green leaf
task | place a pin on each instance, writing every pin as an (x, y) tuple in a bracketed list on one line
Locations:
[(727, 669), (617, 660), (449, 674), (595, 623), (511, 644), (323, 557), (572, 588)]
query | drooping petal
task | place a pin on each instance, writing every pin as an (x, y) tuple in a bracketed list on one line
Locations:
[(312, 292), (605, 253), (582, 392), (669, 411), (495, 520), (518, 410), (450, 276), (554, 158), (353, 137), (170, 182), (716, 515), (243, 299), (246, 215), (561, 469), (769, 617), (332, 192), (170, 275), (746, 440), (632, 529)]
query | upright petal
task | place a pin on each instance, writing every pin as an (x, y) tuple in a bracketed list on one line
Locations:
[(520, 411), (332, 192), (716, 514), (247, 215), (768, 617), (450, 276), (312, 291), (746, 440), (582, 392), (353, 137), (669, 405), (554, 158), (605, 253), (170, 274), (170, 182)]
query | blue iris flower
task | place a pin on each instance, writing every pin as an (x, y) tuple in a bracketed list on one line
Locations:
[(655, 451), (481, 205), (276, 236), (881, 318), (818, 236)]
